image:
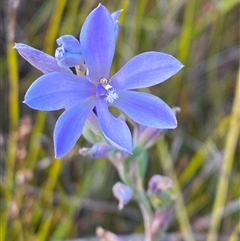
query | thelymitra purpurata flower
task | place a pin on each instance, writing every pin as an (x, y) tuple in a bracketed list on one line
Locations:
[(94, 88)]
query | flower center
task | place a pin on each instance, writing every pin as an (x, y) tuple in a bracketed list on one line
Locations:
[(110, 93)]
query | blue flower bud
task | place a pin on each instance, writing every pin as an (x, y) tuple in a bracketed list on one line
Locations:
[(146, 136), (98, 150), (123, 193), (69, 52)]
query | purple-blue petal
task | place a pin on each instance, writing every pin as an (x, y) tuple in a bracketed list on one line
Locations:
[(69, 43), (67, 59), (69, 126), (97, 39), (40, 60), (58, 90), (115, 16), (145, 70), (146, 109), (114, 129)]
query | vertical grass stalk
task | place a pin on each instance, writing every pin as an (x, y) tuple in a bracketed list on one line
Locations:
[(13, 112), (181, 211), (226, 168)]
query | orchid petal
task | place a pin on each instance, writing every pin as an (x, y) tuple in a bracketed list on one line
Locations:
[(69, 126), (146, 109), (69, 43), (98, 43), (57, 90), (145, 70), (40, 60), (115, 16), (67, 59), (114, 129)]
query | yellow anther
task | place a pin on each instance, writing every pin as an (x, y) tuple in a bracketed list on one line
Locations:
[(104, 82)]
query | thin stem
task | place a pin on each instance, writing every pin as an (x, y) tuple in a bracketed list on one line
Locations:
[(143, 204), (146, 213), (147, 219), (146, 210)]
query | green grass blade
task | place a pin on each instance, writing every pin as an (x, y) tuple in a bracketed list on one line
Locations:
[(181, 212), (225, 171), (13, 113), (236, 232)]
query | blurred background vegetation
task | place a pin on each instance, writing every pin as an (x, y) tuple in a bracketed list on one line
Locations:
[(46, 199)]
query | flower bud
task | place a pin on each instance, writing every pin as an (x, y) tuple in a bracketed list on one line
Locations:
[(158, 191), (98, 150), (69, 52), (123, 193), (145, 136), (159, 183)]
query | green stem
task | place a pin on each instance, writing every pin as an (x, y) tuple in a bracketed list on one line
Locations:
[(147, 219), (141, 199)]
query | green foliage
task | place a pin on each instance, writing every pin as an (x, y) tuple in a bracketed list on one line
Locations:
[(46, 199)]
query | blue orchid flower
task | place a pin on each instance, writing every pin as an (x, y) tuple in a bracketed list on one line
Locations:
[(79, 95)]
